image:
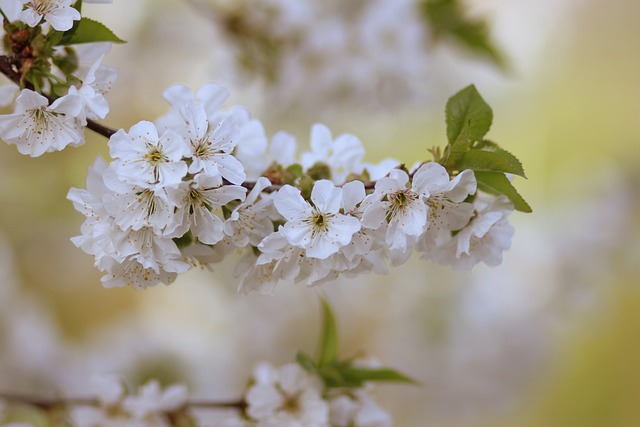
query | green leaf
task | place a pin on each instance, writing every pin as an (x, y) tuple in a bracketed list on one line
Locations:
[(447, 20), (497, 183), (377, 374), (487, 145), (490, 161), (455, 150), (306, 362), (467, 108), (329, 339), (89, 31)]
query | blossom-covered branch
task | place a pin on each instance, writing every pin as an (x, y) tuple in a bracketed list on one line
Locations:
[(204, 181), (325, 392)]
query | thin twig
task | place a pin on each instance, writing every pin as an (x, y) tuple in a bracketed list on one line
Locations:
[(49, 403)]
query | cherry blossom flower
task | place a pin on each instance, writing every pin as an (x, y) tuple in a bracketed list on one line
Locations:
[(483, 239), (37, 127), (400, 208), (151, 401), (286, 397), (59, 13), (195, 201), (319, 228), (146, 159), (343, 155), (210, 144), (250, 221)]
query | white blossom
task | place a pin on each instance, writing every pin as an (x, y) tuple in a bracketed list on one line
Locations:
[(483, 239), (400, 208), (343, 155), (250, 221), (37, 127), (357, 410), (146, 159), (286, 397), (59, 13), (151, 401), (196, 202), (319, 228), (210, 144)]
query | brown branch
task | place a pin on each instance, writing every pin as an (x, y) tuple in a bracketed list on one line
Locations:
[(50, 403)]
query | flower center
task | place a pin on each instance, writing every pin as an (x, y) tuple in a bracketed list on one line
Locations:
[(291, 404), (155, 156), (203, 150), (42, 7), (42, 119), (400, 201)]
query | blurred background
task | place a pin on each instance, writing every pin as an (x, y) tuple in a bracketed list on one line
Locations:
[(549, 338)]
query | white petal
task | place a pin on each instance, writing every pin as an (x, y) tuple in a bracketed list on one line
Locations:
[(290, 203), (326, 196)]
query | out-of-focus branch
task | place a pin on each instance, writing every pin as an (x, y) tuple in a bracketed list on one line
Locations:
[(50, 403)]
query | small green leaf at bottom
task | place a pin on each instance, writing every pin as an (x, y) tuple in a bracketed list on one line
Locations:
[(328, 351)]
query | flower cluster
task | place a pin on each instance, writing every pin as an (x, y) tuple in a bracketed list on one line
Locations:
[(65, 86), (117, 407), (286, 396), (333, 52), (289, 396), (177, 195)]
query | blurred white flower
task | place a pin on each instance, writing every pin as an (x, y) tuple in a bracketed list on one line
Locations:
[(286, 397)]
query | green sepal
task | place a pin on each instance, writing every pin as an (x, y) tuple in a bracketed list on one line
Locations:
[(89, 31), (328, 351), (490, 161), (295, 170), (305, 183), (54, 37), (184, 241), (319, 171), (497, 183), (59, 90), (67, 63)]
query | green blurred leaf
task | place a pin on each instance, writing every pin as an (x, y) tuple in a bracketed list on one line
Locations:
[(447, 19), (306, 362), (467, 108), (89, 31), (328, 351), (377, 374), (497, 183), (490, 161)]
